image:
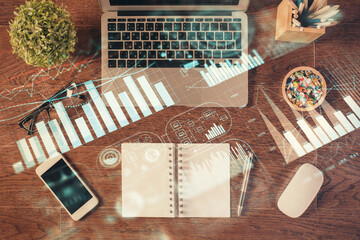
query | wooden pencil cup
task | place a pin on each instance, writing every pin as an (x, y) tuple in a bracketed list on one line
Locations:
[(284, 30)]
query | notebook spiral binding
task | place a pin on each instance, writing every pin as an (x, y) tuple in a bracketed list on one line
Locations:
[(180, 180), (171, 179)]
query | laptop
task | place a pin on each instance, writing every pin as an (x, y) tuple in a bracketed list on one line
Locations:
[(175, 52)]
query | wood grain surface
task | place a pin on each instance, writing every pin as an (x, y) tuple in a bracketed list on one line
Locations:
[(29, 211)]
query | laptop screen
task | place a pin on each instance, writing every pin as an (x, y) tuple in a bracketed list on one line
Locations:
[(173, 2)]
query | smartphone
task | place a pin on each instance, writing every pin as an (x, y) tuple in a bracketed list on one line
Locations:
[(67, 186)]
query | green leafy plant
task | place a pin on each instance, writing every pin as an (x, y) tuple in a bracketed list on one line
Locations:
[(42, 33)]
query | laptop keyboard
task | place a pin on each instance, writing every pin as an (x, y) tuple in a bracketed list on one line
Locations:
[(171, 42)]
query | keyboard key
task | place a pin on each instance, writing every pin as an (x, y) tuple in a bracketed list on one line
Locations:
[(121, 64), (186, 26), (223, 26), (175, 45), (198, 54), (113, 54), (228, 36), (144, 36), (194, 45), (196, 26), (177, 26), (199, 19), (207, 54), (159, 26), (179, 54), (124, 54), (227, 20), (214, 26), (141, 64), (130, 63), (163, 36), (113, 36), (154, 36), (147, 45), (115, 45), (189, 54), (166, 45), (200, 35), (219, 36), (139, 27), (170, 54), (172, 35), (151, 54), (112, 27), (141, 19), (191, 36), (135, 36), (205, 27), (217, 54), (221, 44), (161, 54), (231, 54), (201, 63), (202, 45), (237, 38), (156, 45), (160, 19), (237, 35), (189, 19), (184, 45), (172, 63), (111, 19), (151, 19), (121, 19), (130, 27), (128, 45), (168, 26), (112, 63), (142, 54), (138, 45), (234, 26), (230, 45), (131, 20), (126, 36), (209, 20), (217, 20), (149, 26), (182, 35), (209, 36), (170, 19), (211, 45), (180, 19), (133, 54), (237, 19)]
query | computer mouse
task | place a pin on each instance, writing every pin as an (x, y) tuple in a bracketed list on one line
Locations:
[(301, 190)]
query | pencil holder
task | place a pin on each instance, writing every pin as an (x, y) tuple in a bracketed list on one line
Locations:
[(285, 31)]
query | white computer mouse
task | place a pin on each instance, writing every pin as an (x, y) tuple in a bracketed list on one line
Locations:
[(301, 190)]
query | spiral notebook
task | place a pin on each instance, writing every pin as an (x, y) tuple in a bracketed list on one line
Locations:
[(175, 180)]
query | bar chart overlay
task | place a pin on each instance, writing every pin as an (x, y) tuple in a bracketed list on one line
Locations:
[(95, 121)]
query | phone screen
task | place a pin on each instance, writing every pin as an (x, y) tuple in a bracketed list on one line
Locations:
[(66, 186)]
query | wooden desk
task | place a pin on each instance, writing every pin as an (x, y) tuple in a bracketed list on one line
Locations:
[(29, 211)]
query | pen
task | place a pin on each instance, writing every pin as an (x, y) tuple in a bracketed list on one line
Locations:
[(245, 182), (293, 5)]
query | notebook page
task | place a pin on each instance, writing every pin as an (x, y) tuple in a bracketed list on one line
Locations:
[(204, 180), (147, 180)]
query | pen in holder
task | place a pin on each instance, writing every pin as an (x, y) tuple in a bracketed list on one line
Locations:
[(303, 22)]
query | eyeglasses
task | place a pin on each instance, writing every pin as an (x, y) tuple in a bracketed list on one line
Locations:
[(68, 96)]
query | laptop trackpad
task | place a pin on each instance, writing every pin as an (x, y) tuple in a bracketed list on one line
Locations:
[(185, 86)]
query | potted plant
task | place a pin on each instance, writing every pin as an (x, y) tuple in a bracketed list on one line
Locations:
[(42, 33)]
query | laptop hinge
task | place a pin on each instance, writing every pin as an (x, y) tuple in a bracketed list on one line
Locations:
[(174, 13)]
